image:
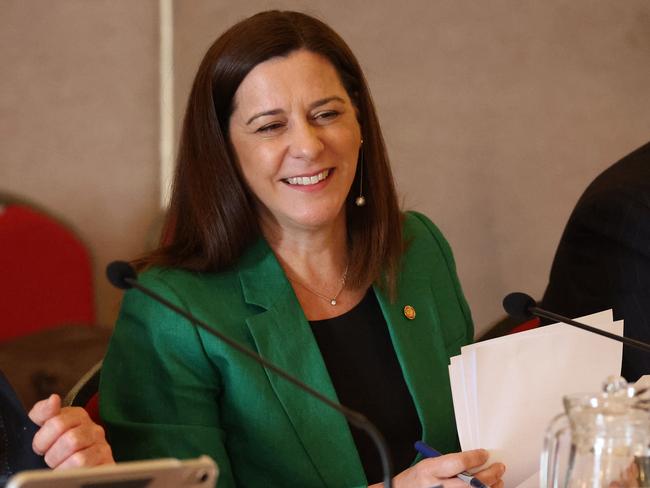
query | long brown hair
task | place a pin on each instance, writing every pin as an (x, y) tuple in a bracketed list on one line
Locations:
[(212, 217)]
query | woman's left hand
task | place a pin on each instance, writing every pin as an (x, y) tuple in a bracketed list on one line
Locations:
[(67, 437), (441, 471), (491, 475)]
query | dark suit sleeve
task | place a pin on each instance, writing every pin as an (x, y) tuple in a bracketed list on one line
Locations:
[(603, 261), (16, 435)]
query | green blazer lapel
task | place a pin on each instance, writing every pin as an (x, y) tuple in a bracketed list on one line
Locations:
[(283, 336), (423, 358)]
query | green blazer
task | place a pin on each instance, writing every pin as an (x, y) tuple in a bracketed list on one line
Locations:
[(169, 389)]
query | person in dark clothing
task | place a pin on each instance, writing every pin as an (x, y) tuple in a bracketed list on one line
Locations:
[(16, 433), (603, 259), (48, 436)]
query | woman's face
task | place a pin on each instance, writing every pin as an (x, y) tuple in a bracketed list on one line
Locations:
[(296, 135)]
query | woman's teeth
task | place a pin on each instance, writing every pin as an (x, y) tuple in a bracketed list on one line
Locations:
[(308, 180)]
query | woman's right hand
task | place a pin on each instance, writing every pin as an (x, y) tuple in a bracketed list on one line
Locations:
[(67, 437), (442, 471)]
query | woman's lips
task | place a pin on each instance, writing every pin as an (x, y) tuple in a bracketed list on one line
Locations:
[(308, 180)]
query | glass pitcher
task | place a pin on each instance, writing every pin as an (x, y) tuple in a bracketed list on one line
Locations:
[(601, 441)]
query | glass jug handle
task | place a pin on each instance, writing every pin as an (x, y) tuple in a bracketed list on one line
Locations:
[(548, 472)]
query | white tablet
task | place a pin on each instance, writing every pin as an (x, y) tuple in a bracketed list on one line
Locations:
[(201, 472)]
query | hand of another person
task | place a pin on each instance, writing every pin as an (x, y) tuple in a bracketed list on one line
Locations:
[(67, 437), (442, 471)]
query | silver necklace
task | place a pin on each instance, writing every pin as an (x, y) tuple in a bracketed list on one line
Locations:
[(332, 300)]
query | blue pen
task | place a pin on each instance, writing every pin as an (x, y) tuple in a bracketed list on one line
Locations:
[(429, 452)]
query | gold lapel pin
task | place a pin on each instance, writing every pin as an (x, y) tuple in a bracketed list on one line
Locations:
[(409, 312)]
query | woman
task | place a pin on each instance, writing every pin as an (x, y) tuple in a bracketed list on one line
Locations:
[(284, 232)]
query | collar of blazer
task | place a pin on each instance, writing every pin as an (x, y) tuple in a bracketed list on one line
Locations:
[(283, 336)]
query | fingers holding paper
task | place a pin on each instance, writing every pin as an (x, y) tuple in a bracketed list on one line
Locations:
[(442, 471), (491, 476), (447, 468), (67, 436)]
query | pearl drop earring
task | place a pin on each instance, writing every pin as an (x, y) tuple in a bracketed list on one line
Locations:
[(360, 201)]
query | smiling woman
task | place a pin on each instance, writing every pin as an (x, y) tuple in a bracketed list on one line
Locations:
[(298, 155), (213, 182), (264, 240)]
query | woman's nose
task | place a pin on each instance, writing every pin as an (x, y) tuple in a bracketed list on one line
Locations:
[(305, 142)]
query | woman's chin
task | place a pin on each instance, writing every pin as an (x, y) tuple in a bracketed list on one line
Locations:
[(314, 220)]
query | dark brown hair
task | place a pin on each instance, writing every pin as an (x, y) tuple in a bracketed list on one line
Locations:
[(212, 217)]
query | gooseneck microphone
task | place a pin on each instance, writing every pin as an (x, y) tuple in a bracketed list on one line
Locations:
[(521, 306), (122, 275)]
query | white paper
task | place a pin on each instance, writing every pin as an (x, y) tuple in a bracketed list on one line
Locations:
[(458, 389), (506, 390), (532, 482)]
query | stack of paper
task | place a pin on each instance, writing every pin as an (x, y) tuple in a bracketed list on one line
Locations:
[(506, 390)]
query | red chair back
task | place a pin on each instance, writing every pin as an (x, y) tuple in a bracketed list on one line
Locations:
[(45, 274)]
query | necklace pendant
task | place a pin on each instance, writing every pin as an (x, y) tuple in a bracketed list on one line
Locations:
[(333, 301)]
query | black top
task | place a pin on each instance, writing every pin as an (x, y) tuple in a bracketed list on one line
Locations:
[(367, 377)]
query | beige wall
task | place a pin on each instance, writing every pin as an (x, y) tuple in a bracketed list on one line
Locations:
[(79, 113), (497, 114)]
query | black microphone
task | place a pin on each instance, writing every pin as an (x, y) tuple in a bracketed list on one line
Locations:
[(521, 306), (122, 275)]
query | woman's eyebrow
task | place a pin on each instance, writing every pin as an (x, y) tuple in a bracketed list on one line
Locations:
[(324, 101), (276, 111)]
